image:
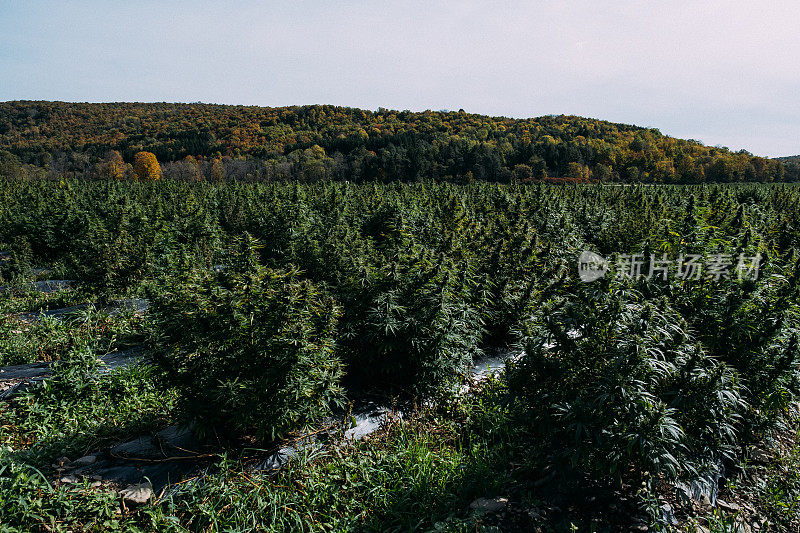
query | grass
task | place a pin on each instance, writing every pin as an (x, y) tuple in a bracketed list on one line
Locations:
[(46, 338), (72, 419), (418, 473), (774, 490)]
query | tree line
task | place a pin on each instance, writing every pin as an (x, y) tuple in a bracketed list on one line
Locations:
[(203, 142)]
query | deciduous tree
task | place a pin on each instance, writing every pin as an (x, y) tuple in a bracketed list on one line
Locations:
[(146, 166)]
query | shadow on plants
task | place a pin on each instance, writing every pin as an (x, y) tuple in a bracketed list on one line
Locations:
[(249, 349)]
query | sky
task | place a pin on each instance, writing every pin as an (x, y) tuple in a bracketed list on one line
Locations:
[(726, 73)]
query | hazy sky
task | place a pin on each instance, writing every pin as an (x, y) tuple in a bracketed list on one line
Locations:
[(726, 73)]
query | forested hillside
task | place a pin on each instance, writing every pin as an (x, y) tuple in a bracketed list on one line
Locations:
[(792, 164), (313, 143)]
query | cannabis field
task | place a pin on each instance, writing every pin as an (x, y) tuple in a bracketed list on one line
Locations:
[(191, 356)]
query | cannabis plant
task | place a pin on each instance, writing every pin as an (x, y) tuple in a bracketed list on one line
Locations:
[(250, 349), (611, 381)]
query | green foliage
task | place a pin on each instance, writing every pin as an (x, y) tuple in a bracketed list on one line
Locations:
[(29, 502), (410, 478), (613, 381), (412, 327), (250, 349), (16, 267), (658, 378), (112, 254), (47, 338), (753, 328), (778, 492), (78, 409)]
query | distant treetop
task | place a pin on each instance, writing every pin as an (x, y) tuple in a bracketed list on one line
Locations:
[(323, 142)]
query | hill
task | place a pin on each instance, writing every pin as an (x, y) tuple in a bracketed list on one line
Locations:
[(322, 142)]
